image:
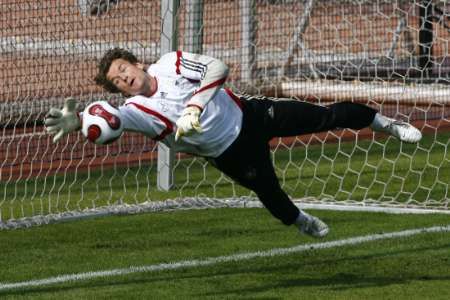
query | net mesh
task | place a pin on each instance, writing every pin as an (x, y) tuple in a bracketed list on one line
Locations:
[(391, 55)]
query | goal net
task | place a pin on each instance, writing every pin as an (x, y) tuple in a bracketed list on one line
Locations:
[(390, 55)]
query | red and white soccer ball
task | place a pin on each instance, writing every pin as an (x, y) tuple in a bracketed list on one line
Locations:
[(102, 123)]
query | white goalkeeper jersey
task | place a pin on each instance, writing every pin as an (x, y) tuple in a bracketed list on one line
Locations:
[(187, 79)]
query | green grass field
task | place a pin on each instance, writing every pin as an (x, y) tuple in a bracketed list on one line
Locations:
[(415, 267)]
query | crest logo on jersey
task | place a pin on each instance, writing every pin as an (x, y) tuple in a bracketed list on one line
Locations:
[(163, 105)]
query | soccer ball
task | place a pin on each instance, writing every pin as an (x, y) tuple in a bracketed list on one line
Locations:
[(101, 123)]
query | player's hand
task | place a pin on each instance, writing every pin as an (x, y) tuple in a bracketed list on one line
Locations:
[(189, 122), (60, 122)]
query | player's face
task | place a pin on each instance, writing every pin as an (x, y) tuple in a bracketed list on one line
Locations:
[(131, 79)]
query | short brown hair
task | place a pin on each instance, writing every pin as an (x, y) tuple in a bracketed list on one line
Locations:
[(105, 64)]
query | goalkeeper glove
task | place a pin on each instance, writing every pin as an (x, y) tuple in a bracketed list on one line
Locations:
[(189, 122), (60, 122)]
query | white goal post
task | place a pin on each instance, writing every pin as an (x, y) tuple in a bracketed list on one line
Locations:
[(390, 55)]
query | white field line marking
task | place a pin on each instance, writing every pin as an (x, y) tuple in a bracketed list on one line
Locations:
[(220, 259)]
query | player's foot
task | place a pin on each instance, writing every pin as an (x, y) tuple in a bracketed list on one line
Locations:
[(313, 226), (404, 132)]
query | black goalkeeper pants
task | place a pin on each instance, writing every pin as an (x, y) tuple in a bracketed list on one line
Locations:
[(248, 160)]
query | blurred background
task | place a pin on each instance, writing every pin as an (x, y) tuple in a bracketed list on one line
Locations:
[(391, 55)]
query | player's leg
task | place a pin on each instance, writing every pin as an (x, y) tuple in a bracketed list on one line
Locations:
[(248, 162), (291, 117), (252, 167)]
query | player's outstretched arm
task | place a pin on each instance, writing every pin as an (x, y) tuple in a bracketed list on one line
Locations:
[(60, 122)]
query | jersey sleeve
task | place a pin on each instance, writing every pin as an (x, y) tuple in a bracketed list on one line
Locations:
[(211, 72)]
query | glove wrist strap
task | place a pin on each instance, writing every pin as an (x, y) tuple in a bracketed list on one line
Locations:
[(195, 105)]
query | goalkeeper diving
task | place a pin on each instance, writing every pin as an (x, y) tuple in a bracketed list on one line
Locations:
[(181, 101)]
